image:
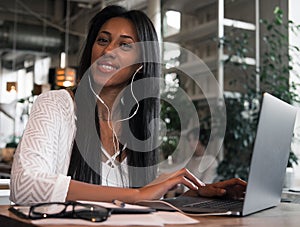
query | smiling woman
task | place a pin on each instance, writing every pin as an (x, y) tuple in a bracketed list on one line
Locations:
[(114, 53), (75, 145)]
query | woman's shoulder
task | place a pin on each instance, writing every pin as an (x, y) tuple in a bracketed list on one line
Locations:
[(60, 99), (54, 93), (58, 96)]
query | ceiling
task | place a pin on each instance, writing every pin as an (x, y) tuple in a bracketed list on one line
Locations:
[(34, 28), (30, 28)]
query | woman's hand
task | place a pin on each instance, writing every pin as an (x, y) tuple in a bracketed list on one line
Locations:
[(233, 188), (160, 186)]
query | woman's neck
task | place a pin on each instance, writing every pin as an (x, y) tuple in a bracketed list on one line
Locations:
[(110, 98)]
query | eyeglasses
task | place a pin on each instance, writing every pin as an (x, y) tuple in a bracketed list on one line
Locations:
[(70, 209)]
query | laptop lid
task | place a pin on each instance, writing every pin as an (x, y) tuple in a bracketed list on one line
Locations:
[(270, 155)]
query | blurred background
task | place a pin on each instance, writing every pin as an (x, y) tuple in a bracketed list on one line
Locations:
[(249, 46)]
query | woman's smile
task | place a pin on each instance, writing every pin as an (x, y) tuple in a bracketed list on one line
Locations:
[(115, 54), (107, 67)]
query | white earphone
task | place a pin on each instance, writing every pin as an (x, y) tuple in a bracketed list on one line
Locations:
[(115, 137), (101, 100), (135, 99)]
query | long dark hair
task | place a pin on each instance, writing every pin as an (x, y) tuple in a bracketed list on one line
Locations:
[(85, 163)]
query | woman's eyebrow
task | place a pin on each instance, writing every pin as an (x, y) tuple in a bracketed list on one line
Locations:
[(127, 37), (122, 36), (105, 32)]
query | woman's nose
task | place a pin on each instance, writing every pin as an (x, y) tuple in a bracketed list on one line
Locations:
[(110, 50)]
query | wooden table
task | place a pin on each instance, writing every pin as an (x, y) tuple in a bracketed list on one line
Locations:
[(284, 215)]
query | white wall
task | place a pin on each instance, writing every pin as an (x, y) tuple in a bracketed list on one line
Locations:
[(8, 100), (294, 6), (6, 123)]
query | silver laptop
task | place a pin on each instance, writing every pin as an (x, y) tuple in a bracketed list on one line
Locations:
[(267, 170)]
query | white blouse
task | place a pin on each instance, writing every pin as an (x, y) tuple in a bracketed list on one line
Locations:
[(113, 172), (112, 176), (41, 161)]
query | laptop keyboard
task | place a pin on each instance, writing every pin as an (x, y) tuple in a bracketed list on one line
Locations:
[(220, 204)]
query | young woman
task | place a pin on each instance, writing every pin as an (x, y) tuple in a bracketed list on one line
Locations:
[(75, 146)]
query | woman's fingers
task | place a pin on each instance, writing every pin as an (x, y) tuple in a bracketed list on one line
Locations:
[(157, 190), (182, 172), (185, 177), (210, 191), (186, 173), (230, 183), (180, 179), (233, 188), (187, 182)]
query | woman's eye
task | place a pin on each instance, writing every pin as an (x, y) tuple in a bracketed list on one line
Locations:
[(102, 41), (126, 46)]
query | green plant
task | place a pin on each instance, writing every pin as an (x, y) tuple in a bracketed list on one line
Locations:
[(241, 107), (172, 122), (277, 62), (242, 110), (239, 139), (170, 115)]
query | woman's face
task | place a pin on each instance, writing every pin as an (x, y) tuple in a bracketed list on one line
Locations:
[(114, 55)]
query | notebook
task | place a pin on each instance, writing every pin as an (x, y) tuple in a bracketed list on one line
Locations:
[(267, 168)]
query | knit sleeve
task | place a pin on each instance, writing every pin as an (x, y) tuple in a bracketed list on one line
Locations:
[(43, 154)]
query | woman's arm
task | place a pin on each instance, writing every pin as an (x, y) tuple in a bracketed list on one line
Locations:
[(154, 190), (41, 160), (91, 192)]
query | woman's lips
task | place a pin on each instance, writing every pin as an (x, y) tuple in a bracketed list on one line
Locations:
[(106, 67)]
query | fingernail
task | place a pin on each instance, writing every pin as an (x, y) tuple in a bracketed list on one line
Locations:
[(223, 191), (201, 183)]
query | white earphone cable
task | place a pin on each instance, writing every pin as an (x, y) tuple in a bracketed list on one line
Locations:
[(115, 137)]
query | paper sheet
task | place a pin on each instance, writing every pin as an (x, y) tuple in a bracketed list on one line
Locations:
[(116, 220), (174, 218), (110, 205), (154, 219), (150, 219)]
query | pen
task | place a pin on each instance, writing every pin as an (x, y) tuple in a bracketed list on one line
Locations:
[(118, 203)]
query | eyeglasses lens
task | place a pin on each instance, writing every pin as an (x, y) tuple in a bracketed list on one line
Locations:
[(48, 209), (84, 211), (91, 213)]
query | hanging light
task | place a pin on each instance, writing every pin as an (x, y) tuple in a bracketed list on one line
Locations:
[(62, 60), (66, 76)]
